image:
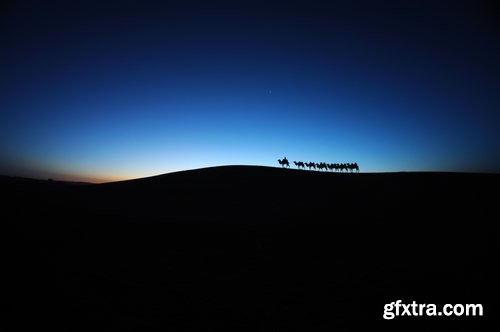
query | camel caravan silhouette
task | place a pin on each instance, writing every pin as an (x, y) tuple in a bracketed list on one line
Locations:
[(334, 167)]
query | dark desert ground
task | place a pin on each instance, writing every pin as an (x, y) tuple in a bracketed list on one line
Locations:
[(248, 248)]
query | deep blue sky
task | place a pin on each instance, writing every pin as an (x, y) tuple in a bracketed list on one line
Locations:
[(105, 90)]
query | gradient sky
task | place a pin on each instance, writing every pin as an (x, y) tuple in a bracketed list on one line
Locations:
[(108, 90)]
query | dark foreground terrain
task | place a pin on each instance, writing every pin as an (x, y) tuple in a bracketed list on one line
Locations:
[(248, 248)]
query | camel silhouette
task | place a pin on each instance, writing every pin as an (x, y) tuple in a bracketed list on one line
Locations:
[(321, 166), (284, 162), (299, 164), (311, 165), (354, 167)]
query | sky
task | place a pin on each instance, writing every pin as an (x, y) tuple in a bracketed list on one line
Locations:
[(110, 90)]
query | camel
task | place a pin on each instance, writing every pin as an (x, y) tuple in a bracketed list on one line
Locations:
[(321, 166), (354, 167), (284, 162), (311, 165), (299, 164)]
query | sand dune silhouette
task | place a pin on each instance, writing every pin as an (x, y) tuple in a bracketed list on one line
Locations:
[(246, 247)]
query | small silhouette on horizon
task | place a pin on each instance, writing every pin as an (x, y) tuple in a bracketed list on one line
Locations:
[(299, 164), (284, 162), (334, 167)]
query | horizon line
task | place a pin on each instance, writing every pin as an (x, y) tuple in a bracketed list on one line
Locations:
[(81, 179)]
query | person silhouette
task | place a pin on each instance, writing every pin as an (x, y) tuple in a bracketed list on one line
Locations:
[(284, 162)]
